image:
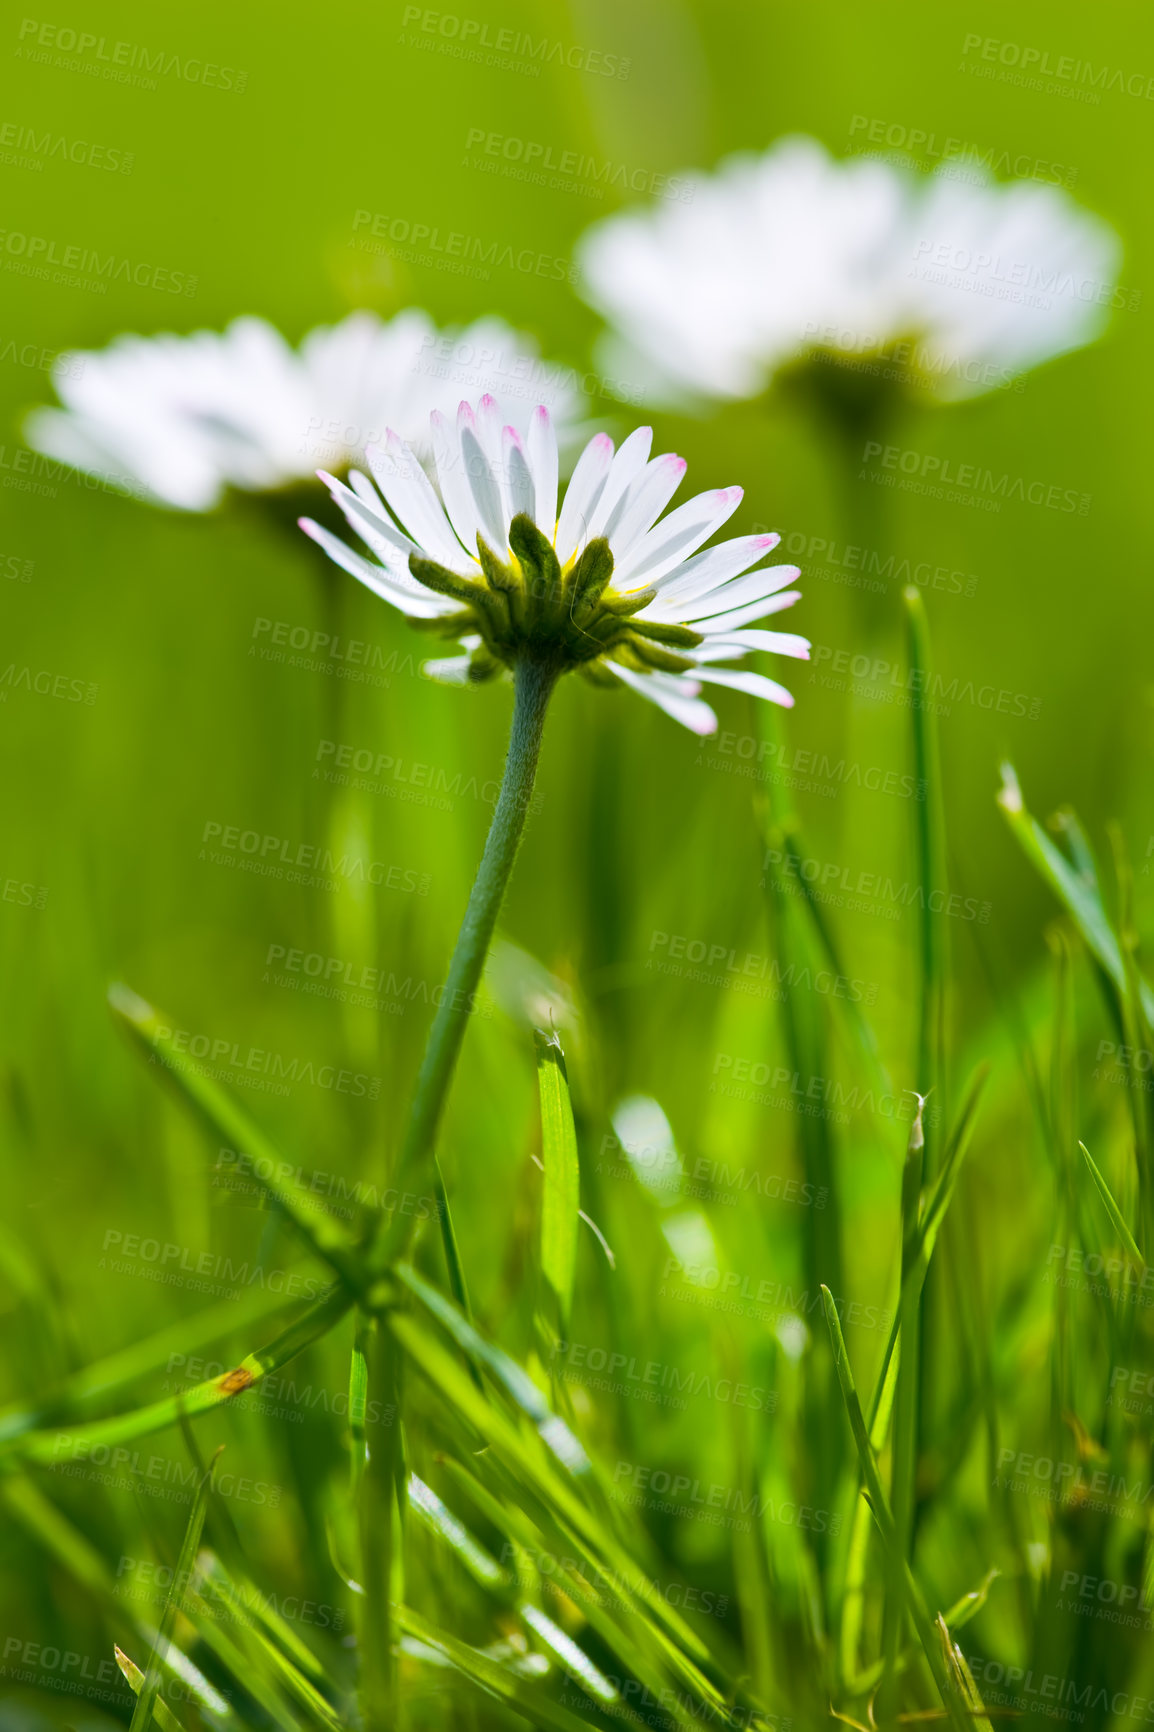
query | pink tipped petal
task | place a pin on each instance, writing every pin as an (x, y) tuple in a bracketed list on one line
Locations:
[(626, 467), (411, 499), (543, 461), (743, 680), (522, 493), (638, 510), (675, 695), (722, 646), (742, 616), (404, 593), (486, 493), (754, 586), (663, 556), (454, 482), (582, 496)]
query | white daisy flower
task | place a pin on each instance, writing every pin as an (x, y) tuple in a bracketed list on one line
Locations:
[(791, 252), (608, 587), (181, 418)]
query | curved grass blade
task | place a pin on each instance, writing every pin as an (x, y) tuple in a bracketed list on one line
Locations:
[(45, 1446), (153, 1677), (1080, 899), (134, 1678), (523, 1695), (322, 1232), (879, 1503), (1117, 1220), (104, 1376), (561, 1195)]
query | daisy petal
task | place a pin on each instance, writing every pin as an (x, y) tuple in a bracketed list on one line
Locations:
[(410, 497), (541, 449), (736, 643), (667, 566), (741, 616), (486, 493), (628, 465), (675, 695), (453, 480), (638, 510), (418, 602), (582, 496), (743, 680), (522, 492), (754, 586)]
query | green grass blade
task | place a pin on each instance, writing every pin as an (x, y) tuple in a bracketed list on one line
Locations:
[(322, 1232), (86, 1387), (524, 1695), (134, 1678), (45, 1446), (1080, 900), (561, 1195), (871, 1479), (153, 1677), (1117, 1220)]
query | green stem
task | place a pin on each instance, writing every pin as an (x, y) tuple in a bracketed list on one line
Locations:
[(533, 687)]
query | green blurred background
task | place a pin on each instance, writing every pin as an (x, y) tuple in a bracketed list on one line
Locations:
[(640, 830)]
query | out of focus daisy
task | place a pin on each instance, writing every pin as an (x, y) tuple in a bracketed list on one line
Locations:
[(182, 418), (960, 286), (608, 587)]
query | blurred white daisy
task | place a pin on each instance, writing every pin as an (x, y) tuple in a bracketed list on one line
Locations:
[(789, 253), (608, 588), (182, 418)]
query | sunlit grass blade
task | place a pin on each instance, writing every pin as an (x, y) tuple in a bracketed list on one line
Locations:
[(153, 1677), (45, 1446), (879, 1503), (561, 1193), (1081, 901), (525, 1696), (134, 1678), (322, 1232), (88, 1387), (929, 828), (256, 1643), (1117, 1219)]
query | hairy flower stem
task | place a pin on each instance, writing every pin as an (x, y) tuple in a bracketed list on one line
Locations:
[(533, 687)]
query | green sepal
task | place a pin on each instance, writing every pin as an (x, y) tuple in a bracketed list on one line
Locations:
[(674, 636), (448, 624), (653, 656), (483, 666), (590, 576), (442, 582), (598, 675), (624, 605), (539, 563), (497, 574)]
